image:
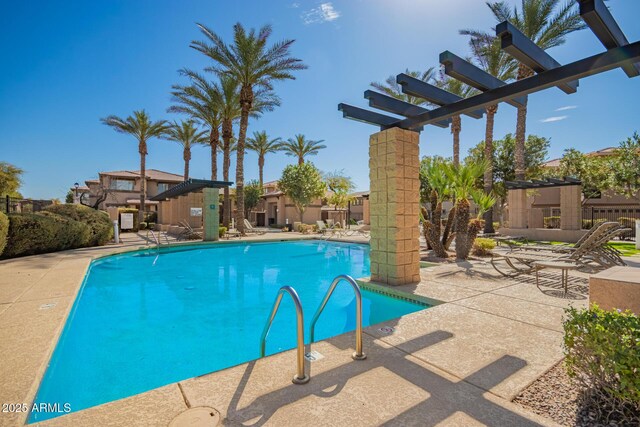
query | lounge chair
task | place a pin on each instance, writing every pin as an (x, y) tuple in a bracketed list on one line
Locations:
[(567, 248), (188, 233), (248, 228), (591, 254)]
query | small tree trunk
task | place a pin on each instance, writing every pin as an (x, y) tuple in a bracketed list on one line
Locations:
[(227, 135), (186, 155), (456, 127), (300, 160), (246, 103), (447, 228), (142, 148), (488, 173), (214, 142), (261, 169), (462, 228)]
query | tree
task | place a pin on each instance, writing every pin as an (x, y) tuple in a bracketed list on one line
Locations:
[(70, 197), (435, 187), (301, 147), (302, 184), (253, 192), (98, 195), (462, 90), (490, 57), (143, 129), (547, 23), (10, 179), (254, 65), (625, 166), (340, 186), (536, 151), (262, 145), (392, 88), (187, 135), (594, 172), (201, 102)]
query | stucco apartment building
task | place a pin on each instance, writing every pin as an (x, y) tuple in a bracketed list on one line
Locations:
[(121, 189)]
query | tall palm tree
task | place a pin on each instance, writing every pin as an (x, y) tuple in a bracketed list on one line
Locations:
[(301, 147), (462, 90), (201, 102), (262, 145), (392, 88), (491, 58), (143, 129), (187, 135), (255, 66), (547, 23)]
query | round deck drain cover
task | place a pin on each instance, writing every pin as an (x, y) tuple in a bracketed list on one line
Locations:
[(202, 416)]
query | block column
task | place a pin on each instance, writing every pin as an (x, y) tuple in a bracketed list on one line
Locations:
[(394, 206), (210, 213), (518, 213), (571, 207)]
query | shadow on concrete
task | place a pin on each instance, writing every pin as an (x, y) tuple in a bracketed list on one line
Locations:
[(446, 397)]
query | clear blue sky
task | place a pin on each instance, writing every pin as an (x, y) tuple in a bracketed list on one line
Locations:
[(66, 64)]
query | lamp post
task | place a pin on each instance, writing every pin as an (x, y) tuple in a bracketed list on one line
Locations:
[(76, 199)]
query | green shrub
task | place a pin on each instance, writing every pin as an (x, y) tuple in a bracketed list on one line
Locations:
[(588, 224), (151, 225), (627, 223), (99, 223), (44, 232), (602, 353), (150, 217), (142, 226), (221, 231), (4, 229), (483, 246), (551, 222), (135, 217)]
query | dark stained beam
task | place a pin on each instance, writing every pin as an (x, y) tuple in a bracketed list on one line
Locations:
[(596, 64), (604, 26), (468, 73), (373, 118), (396, 106), (435, 95), (527, 52)]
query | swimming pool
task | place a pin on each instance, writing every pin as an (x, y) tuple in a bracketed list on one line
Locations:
[(143, 320)]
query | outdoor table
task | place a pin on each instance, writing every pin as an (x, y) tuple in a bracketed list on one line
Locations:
[(561, 265)]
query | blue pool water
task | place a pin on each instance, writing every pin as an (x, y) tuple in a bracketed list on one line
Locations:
[(142, 321)]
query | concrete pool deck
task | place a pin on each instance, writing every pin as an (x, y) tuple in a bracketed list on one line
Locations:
[(459, 363)]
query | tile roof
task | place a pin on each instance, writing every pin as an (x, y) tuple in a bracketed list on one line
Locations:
[(153, 174)]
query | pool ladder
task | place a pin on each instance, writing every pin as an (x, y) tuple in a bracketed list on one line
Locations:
[(300, 377)]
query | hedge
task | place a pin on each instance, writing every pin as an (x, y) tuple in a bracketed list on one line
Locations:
[(4, 229), (551, 222), (601, 349), (482, 246), (98, 221), (43, 232)]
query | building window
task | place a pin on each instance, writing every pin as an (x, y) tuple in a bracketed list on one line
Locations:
[(122, 184), (162, 187)]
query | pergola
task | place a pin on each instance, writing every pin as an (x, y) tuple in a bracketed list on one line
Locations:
[(210, 201), (394, 158)]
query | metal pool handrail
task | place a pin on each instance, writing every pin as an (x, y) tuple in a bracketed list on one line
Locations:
[(358, 355), (300, 377)]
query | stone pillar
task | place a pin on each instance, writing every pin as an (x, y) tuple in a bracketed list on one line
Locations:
[(211, 214), (282, 210), (571, 207), (366, 211), (517, 200), (394, 206)]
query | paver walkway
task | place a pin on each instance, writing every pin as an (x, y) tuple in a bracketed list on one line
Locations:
[(459, 363)]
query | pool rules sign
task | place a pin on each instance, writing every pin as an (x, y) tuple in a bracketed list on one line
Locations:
[(126, 221)]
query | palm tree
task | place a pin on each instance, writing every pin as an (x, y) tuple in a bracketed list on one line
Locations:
[(187, 135), (301, 147), (200, 101), (392, 88), (491, 58), (462, 90), (140, 126), (255, 66), (547, 23), (262, 145)]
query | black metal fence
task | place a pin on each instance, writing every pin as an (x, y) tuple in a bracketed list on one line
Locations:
[(625, 215), (17, 205)]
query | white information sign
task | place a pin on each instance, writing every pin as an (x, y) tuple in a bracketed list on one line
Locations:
[(196, 211), (126, 221)]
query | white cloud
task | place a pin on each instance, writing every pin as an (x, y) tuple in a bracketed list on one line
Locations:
[(568, 107), (553, 119), (295, 5), (321, 14)]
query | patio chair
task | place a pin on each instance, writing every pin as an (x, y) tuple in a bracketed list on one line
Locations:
[(589, 253), (188, 233), (248, 228)]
